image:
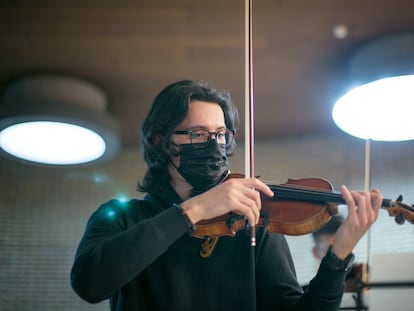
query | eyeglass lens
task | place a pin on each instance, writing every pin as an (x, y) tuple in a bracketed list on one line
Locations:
[(201, 136)]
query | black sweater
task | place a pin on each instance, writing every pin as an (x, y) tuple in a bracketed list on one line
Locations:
[(139, 255)]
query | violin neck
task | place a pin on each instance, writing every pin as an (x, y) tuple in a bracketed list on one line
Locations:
[(283, 192)]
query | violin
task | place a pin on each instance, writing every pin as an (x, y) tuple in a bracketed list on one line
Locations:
[(299, 206)]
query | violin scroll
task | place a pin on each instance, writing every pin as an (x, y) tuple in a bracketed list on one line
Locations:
[(401, 211)]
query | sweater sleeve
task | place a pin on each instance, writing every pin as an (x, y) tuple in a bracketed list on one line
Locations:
[(326, 288), (115, 248), (278, 288)]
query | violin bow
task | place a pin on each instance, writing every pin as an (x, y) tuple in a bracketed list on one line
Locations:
[(249, 118)]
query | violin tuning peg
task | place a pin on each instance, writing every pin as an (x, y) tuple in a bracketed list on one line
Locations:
[(400, 219)]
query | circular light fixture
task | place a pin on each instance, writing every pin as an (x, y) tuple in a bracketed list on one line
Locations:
[(381, 106), (52, 142), (340, 31), (56, 120)]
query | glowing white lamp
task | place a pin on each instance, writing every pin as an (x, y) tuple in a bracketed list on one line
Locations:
[(381, 105), (380, 110), (52, 142), (56, 120)]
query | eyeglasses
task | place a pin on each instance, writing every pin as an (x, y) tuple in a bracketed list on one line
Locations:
[(200, 138)]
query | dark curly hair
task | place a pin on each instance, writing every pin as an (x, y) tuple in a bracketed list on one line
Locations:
[(168, 110)]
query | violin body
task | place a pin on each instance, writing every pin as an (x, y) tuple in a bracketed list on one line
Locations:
[(294, 217), (288, 216)]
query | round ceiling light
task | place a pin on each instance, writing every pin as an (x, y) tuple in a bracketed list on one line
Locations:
[(381, 106), (56, 120)]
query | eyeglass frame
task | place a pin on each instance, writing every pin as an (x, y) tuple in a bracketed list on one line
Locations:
[(206, 143)]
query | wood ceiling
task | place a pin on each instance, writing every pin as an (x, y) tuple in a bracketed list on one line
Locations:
[(134, 48)]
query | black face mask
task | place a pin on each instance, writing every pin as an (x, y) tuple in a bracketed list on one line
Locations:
[(203, 168)]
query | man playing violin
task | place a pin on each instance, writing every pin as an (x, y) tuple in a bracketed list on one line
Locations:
[(141, 255)]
